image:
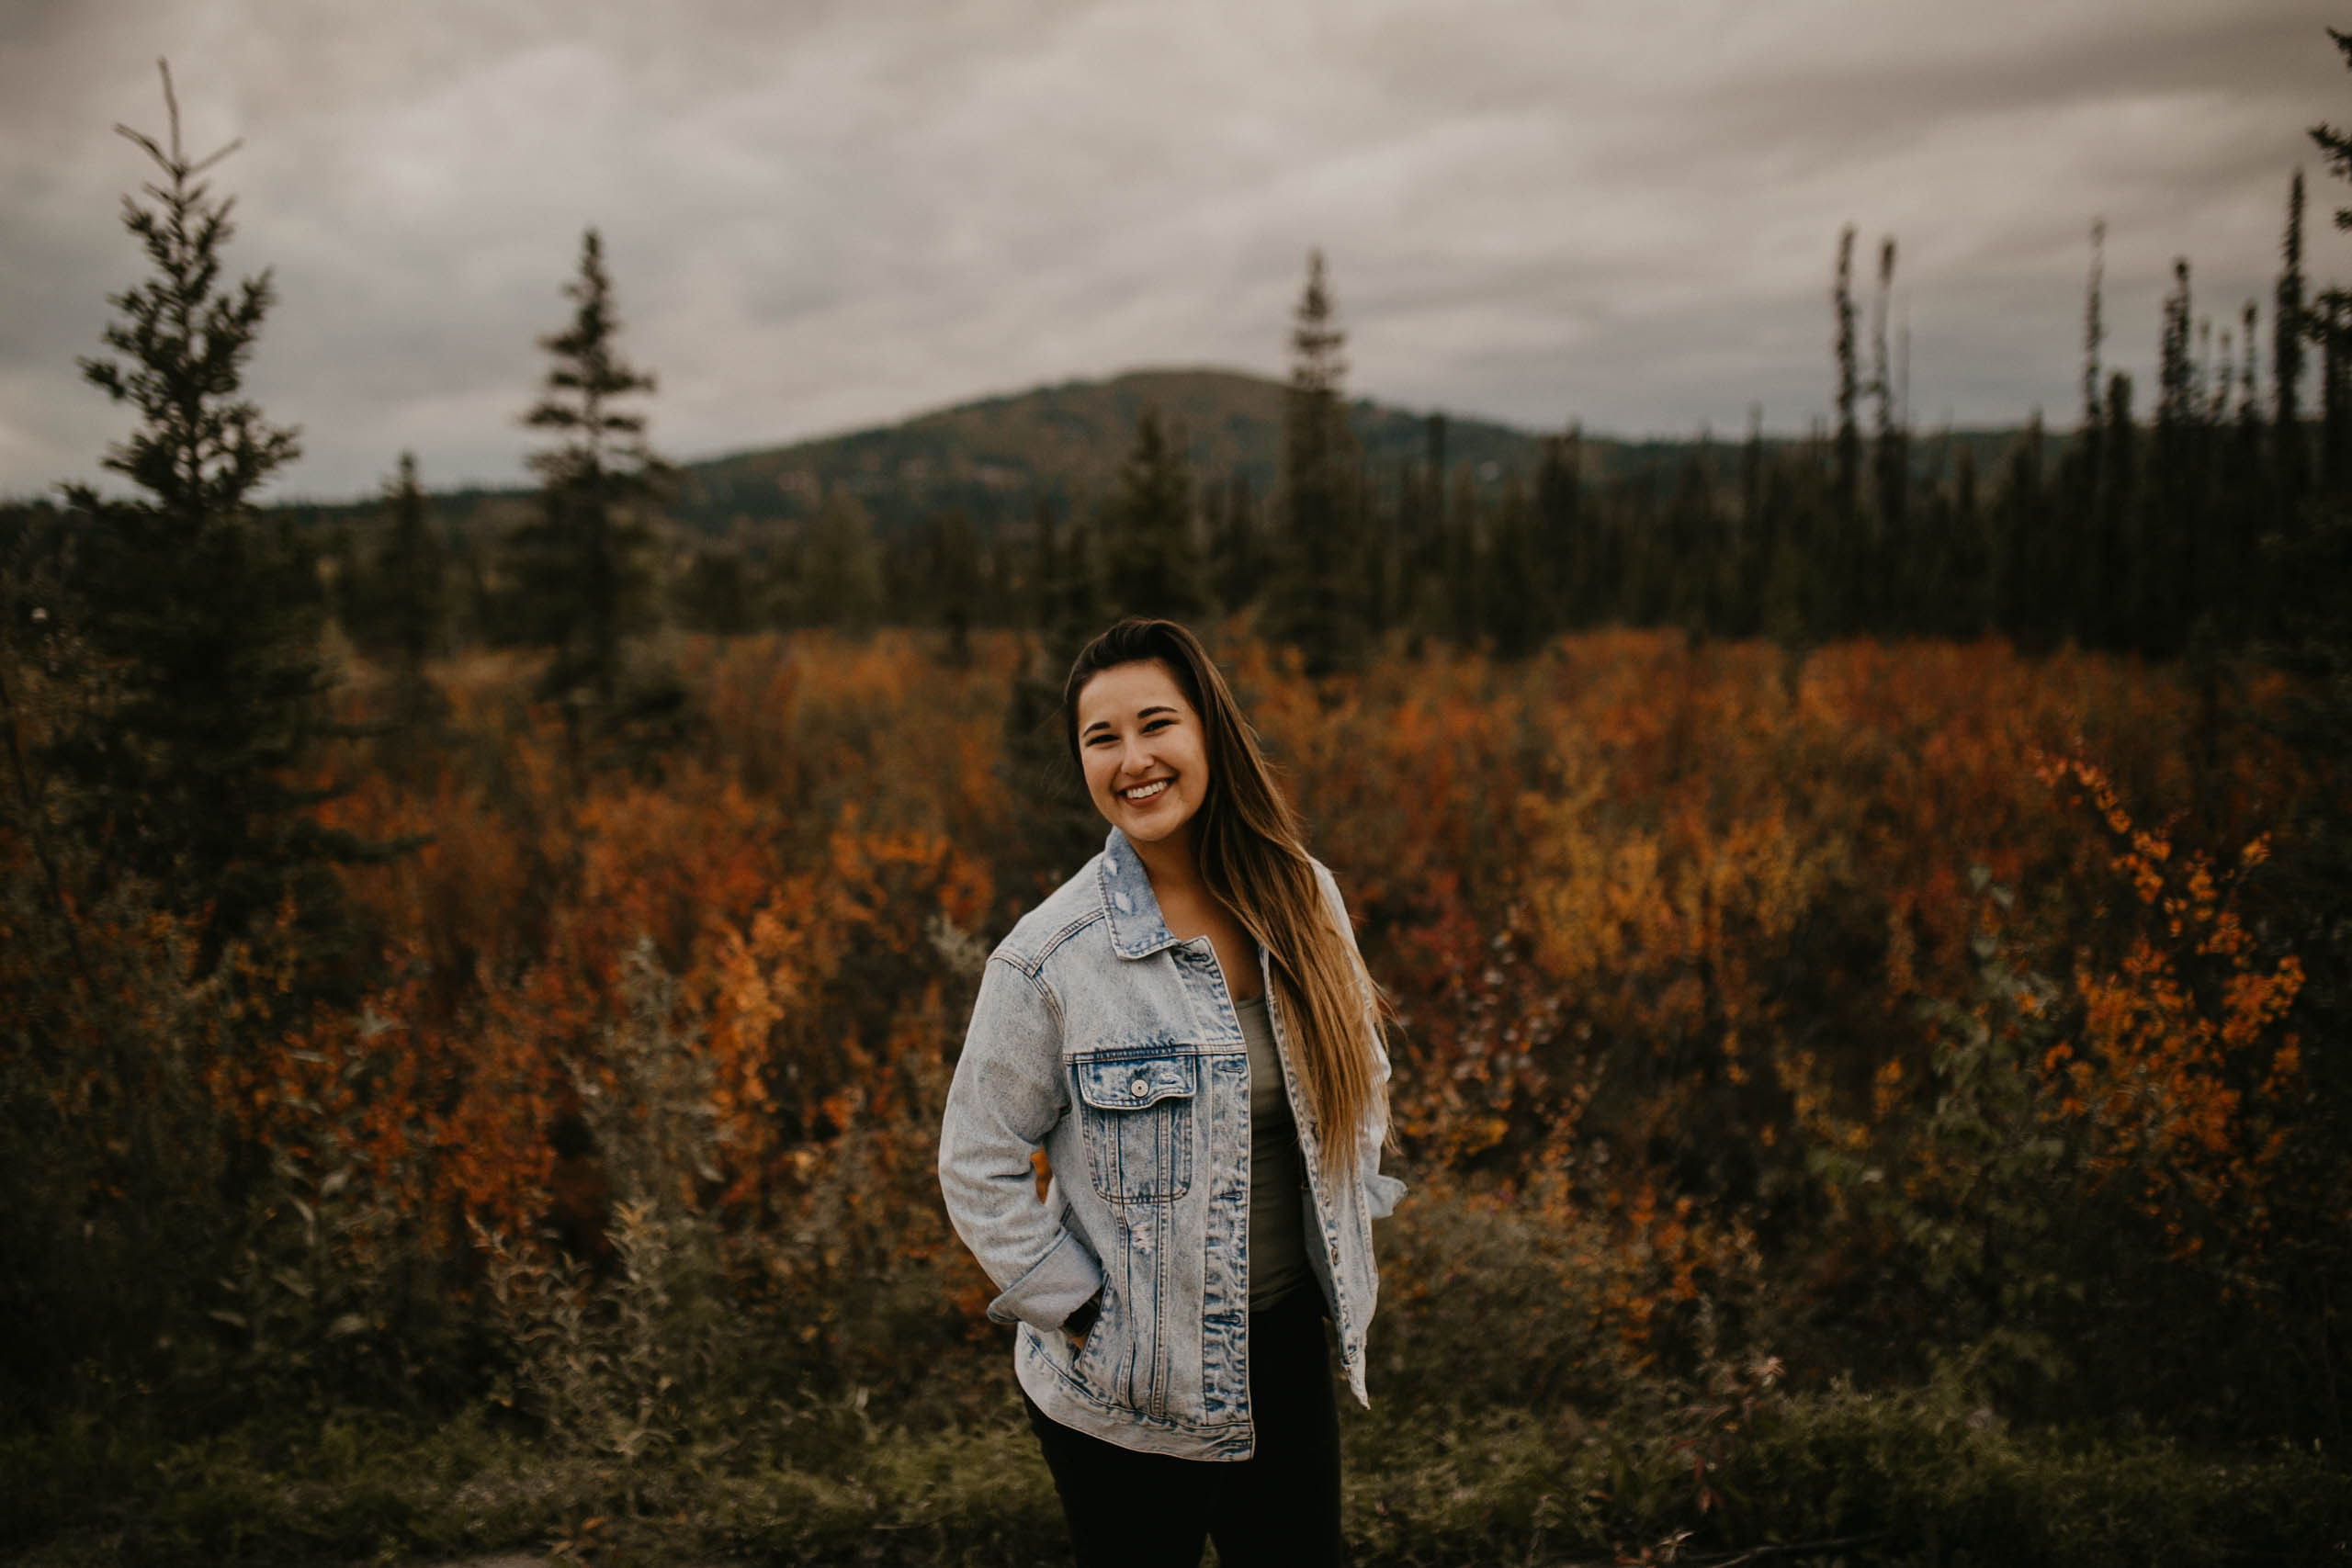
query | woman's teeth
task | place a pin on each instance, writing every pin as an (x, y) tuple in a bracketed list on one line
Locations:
[(1145, 792)]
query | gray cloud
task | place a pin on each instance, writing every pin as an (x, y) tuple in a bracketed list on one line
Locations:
[(824, 215)]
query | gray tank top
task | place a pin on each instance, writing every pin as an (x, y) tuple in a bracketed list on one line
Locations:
[(1277, 1172)]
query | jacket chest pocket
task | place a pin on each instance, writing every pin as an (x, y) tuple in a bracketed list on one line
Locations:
[(1138, 1119)]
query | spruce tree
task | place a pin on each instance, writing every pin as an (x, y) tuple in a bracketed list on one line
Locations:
[(1563, 553), (1319, 605), (2330, 316), (586, 583), (1513, 608), (2115, 541), (957, 586), (2166, 568), (1154, 566), (1839, 563), (840, 572), (204, 618), (2290, 457), (1890, 462), (2026, 558), (1238, 565), (410, 606)]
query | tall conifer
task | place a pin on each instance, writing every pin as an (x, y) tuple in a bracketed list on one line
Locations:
[(1320, 603), (1890, 462), (1154, 566), (206, 617), (2290, 460), (1840, 564), (410, 588), (583, 565)]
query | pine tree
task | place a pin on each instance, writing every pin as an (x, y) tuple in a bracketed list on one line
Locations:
[(2330, 317), (2115, 529), (2291, 462), (1514, 610), (1840, 563), (955, 566), (1154, 566), (1238, 568), (2027, 561), (204, 617), (1319, 603), (1890, 461), (840, 571), (587, 585), (1563, 553), (1459, 552), (2166, 568), (2093, 327), (410, 606)]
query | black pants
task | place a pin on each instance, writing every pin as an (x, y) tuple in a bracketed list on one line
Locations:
[(1280, 1506)]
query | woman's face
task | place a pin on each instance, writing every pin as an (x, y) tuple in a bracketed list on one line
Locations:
[(1143, 751)]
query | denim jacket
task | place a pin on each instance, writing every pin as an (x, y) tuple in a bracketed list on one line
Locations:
[(1102, 1039)]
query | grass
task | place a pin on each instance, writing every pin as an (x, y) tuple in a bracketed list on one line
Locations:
[(1919, 1476)]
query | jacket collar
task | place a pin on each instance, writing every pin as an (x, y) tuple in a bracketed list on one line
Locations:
[(1136, 928)]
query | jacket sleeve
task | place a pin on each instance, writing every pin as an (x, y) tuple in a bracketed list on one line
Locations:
[(1380, 1192), (1008, 1090)]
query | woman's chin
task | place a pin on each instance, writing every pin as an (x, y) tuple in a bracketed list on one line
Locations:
[(1152, 827)]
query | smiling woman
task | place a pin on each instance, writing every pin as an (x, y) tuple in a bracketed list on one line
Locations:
[(1185, 1028)]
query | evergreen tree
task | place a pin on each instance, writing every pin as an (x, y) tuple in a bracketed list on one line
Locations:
[(1239, 563), (1563, 553), (1839, 564), (1514, 612), (2026, 559), (1685, 570), (2166, 569), (1460, 551), (1890, 462), (1154, 566), (410, 600), (2075, 551), (2107, 592), (204, 618), (715, 593), (586, 583), (2289, 457), (955, 566), (2330, 317), (1321, 591), (840, 572)]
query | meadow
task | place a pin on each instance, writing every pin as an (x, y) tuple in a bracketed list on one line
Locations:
[(1857, 1104)]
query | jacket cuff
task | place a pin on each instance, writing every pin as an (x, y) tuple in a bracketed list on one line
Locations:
[(1054, 1286)]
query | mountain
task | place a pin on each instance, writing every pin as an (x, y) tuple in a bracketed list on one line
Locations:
[(995, 459)]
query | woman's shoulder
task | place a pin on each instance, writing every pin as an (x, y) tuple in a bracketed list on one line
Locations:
[(1057, 918)]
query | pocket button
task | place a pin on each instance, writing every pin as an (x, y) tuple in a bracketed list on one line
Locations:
[(1140, 1088)]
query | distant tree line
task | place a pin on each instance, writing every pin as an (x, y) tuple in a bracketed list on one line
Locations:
[(2141, 524)]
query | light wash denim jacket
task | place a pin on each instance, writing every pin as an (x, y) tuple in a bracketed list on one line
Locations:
[(1101, 1038)]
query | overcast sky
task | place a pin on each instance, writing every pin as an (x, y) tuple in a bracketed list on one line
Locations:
[(824, 216)]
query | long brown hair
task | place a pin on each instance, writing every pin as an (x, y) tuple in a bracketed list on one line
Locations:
[(1253, 859)]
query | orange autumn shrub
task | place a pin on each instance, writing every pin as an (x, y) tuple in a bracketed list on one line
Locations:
[(1668, 926)]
